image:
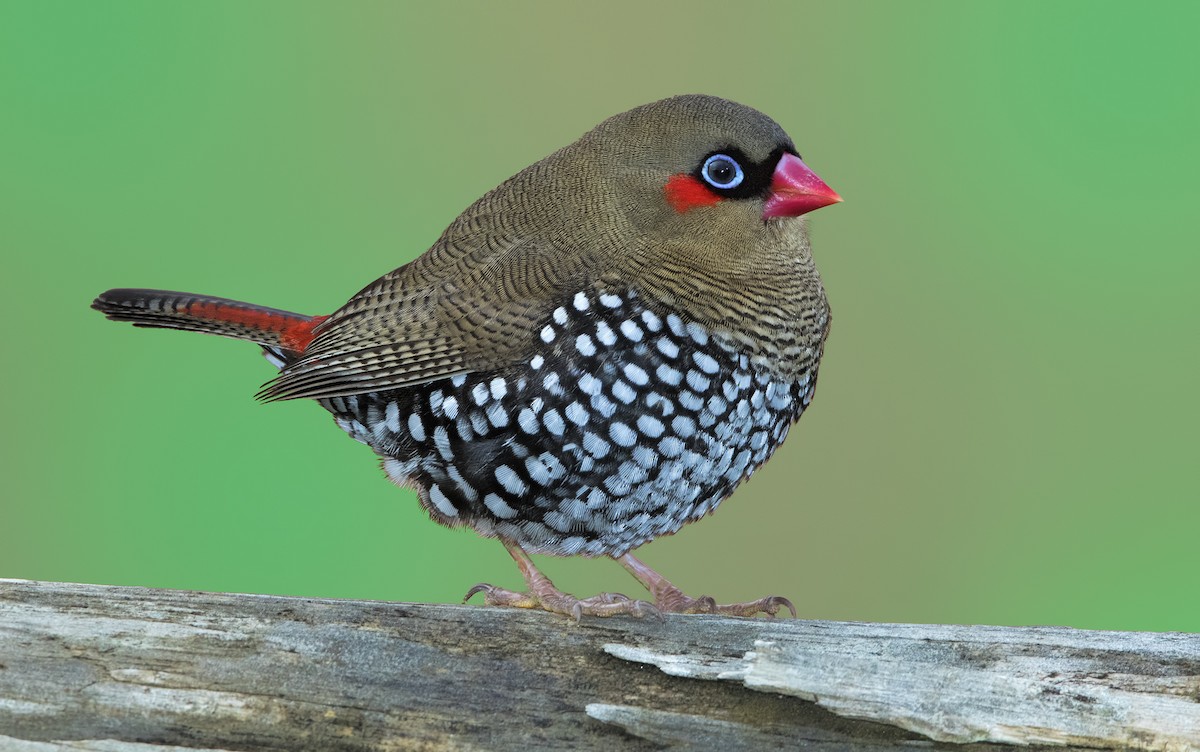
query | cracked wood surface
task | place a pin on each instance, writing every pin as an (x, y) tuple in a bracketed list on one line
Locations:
[(117, 669)]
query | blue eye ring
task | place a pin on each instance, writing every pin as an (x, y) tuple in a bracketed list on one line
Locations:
[(715, 172)]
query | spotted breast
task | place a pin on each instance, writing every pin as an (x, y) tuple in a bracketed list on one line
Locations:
[(626, 424), (594, 353)]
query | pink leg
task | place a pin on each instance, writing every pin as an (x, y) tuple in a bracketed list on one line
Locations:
[(544, 595), (669, 598)]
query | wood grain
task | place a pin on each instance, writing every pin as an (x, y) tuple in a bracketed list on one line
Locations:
[(90, 667)]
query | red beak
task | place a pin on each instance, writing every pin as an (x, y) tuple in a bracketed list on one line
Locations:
[(796, 190)]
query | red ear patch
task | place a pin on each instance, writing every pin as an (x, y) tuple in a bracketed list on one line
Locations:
[(685, 193)]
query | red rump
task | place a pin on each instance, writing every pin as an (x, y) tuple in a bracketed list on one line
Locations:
[(685, 193), (295, 333), (298, 335)]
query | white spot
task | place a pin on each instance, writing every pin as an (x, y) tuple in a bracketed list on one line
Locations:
[(605, 334), (580, 302), (480, 393), (560, 315), (652, 322), (553, 465), (738, 467), (458, 380), (393, 417), (610, 301), (461, 482), (683, 426), (463, 425), (536, 404), (557, 521), (617, 485), (537, 362), (705, 362), (527, 421), (399, 472), (544, 469), (596, 499), (645, 456), (510, 481), (668, 375), (550, 383), (553, 422), (589, 384), (636, 374), (698, 333), (415, 427), (439, 500), (499, 388), (584, 344), (670, 446), (450, 407), (441, 441), (675, 324), (729, 389), (479, 422), (667, 347), (435, 400), (537, 471), (603, 405), (654, 399), (697, 381), (547, 334), (717, 405), (623, 392), (781, 399), (498, 506), (497, 415), (622, 434), (576, 414), (595, 446), (631, 330), (576, 509), (671, 471), (632, 473), (650, 426)]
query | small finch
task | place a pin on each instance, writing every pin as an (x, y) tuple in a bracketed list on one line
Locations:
[(593, 354)]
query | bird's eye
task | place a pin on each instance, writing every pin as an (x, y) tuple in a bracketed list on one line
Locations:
[(722, 172)]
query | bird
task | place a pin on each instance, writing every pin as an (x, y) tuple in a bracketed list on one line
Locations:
[(593, 354)]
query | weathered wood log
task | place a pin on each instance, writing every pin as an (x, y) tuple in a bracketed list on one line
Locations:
[(88, 667)]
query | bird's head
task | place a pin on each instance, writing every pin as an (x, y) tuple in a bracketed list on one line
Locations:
[(695, 201), (697, 186)]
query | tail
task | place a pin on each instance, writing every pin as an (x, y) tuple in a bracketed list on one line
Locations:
[(281, 333)]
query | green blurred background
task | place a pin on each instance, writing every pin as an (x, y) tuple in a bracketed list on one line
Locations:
[(1006, 429)]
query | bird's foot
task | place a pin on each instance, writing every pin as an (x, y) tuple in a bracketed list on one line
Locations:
[(542, 594), (671, 599)]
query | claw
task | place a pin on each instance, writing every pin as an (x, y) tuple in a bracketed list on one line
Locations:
[(543, 594), (667, 597)]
